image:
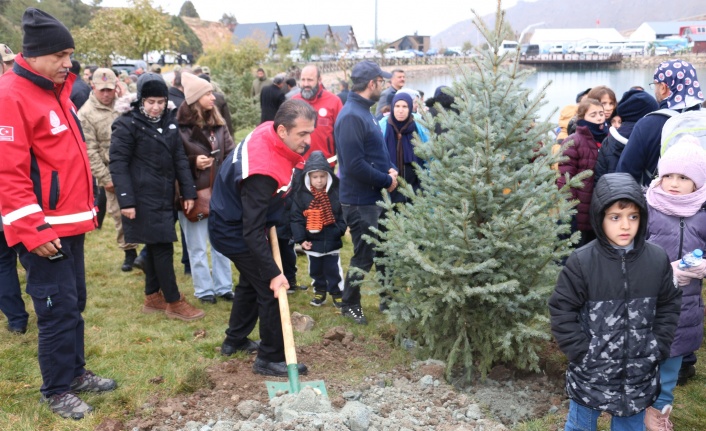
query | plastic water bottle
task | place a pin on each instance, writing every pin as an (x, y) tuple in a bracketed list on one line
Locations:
[(692, 259)]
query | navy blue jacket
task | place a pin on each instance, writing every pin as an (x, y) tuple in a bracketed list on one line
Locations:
[(363, 159), (611, 149), (641, 154)]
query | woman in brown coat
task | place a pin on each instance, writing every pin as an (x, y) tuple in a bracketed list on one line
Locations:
[(206, 143)]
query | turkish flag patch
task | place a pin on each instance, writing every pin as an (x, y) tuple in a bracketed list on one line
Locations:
[(7, 133)]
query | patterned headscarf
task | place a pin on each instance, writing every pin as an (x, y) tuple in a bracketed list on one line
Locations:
[(683, 83)]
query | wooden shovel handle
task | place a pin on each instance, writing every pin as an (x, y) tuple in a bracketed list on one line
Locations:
[(290, 354)]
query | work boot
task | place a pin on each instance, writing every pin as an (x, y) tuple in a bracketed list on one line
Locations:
[(686, 372), (67, 405), (130, 256), (154, 303), (656, 420), (182, 310)]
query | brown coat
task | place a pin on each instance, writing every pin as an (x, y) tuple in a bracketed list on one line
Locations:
[(197, 142)]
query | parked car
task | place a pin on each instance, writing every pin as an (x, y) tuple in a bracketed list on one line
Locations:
[(295, 55), (416, 52), (403, 54), (662, 50), (432, 51), (529, 50), (328, 57), (452, 53)]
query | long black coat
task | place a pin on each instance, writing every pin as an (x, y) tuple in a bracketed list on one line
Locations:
[(144, 163)]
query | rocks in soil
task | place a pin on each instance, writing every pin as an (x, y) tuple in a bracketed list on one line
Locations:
[(302, 322)]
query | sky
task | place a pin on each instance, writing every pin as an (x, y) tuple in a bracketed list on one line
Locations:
[(395, 18)]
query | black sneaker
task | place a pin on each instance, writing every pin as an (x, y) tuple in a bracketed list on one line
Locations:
[(292, 289), (275, 368), (337, 301), (250, 347), (208, 299), (354, 312), (304, 287), (67, 405), (319, 299), (89, 382), (228, 296)]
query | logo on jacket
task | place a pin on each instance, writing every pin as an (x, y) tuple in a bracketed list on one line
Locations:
[(56, 126), (7, 133)]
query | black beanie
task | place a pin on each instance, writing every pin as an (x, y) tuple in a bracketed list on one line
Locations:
[(43, 34), (151, 85), (635, 104)]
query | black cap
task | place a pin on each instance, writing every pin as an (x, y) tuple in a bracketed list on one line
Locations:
[(43, 34), (367, 71), (581, 94)]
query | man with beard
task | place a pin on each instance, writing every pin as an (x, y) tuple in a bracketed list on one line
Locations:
[(260, 82), (364, 168), (327, 107)]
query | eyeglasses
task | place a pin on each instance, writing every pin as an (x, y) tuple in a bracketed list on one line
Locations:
[(652, 85), (380, 81)]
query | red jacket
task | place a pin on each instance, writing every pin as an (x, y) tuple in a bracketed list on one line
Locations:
[(582, 156), (46, 190), (327, 106)]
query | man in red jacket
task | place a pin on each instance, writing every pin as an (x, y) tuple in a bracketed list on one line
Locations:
[(327, 106), (47, 204)]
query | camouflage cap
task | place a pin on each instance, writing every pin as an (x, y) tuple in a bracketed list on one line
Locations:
[(6, 52), (104, 78)]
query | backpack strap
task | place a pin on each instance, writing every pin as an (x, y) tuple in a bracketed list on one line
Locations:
[(664, 112)]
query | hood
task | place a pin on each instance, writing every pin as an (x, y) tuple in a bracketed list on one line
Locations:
[(610, 188), (635, 104), (317, 162)]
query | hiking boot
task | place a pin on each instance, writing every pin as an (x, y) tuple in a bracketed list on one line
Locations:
[(354, 312), (89, 382), (182, 310), (67, 405), (154, 303), (656, 420), (337, 301), (130, 256), (319, 299), (685, 373)]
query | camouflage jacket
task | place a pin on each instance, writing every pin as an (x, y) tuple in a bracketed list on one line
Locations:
[(96, 120)]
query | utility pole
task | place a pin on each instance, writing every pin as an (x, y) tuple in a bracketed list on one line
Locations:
[(375, 43)]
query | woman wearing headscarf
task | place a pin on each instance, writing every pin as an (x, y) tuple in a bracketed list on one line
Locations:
[(206, 142), (398, 130), (146, 158)]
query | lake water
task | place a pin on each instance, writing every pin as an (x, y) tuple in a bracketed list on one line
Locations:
[(565, 84)]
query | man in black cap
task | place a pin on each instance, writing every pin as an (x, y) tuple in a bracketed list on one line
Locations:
[(365, 169), (47, 205)]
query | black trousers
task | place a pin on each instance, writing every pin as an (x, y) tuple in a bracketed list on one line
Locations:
[(289, 260), (327, 274), (58, 291), (254, 300), (159, 271)]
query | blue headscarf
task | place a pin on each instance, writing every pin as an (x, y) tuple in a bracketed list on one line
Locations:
[(683, 83), (398, 135)]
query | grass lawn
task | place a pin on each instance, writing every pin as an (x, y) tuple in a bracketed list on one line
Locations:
[(131, 347)]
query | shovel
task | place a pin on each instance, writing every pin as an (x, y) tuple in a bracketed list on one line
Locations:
[(293, 385)]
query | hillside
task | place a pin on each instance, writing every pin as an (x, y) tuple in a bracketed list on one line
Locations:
[(624, 15), (209, 33)]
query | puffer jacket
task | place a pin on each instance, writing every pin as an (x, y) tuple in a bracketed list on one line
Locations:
[(582, 155), (145, 160), (669, 232), (329, 239), (614, 313), (611, 149)]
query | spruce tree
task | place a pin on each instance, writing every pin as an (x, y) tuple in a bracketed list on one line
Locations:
[(471, 260)]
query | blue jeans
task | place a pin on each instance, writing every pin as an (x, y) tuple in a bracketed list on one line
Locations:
[(581, 418), (668, 375), (196, 235), (359, 218)]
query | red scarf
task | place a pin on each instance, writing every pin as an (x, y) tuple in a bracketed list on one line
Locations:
[(321, 202)]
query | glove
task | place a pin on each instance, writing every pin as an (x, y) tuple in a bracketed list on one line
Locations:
[(685, 275)]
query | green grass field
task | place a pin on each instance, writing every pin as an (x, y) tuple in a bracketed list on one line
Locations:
[(131, 347)]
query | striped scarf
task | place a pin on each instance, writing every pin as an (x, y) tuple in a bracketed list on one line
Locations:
[(321, 202)]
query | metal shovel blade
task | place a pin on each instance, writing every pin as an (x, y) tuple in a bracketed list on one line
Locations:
[(293, 386)]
